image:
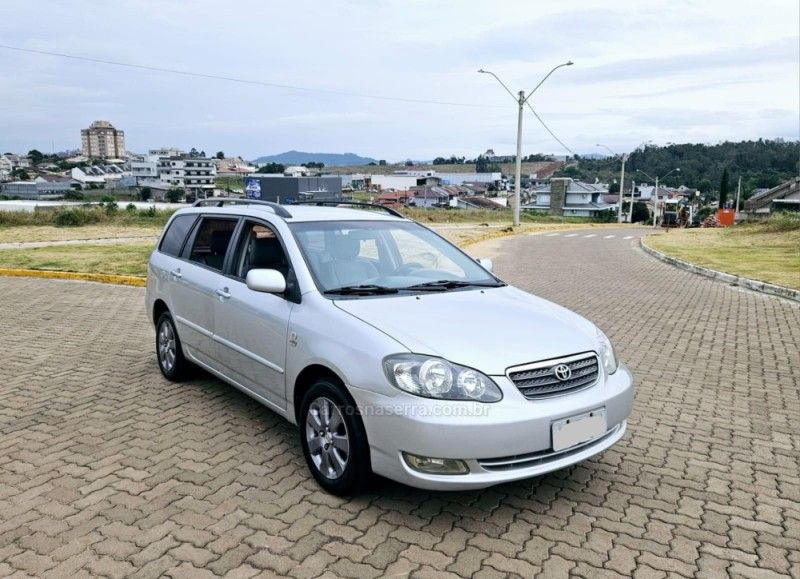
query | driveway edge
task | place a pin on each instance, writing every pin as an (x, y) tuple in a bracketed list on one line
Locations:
[(130, 280), (729, 278)]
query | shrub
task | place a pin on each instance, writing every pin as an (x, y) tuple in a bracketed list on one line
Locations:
[(704, 212), (145, 194), (130, 208), (640, 213), (69, 218), (74, 196), (174, 195), (606, 216)]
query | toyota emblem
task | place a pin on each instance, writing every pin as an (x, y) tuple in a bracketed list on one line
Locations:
[(562, 372)]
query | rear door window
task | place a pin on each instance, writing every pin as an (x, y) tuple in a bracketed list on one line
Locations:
[(212, 241), (173, 239)]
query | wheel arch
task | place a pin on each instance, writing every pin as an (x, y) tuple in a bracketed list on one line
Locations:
[(159, 307), (306, 378)]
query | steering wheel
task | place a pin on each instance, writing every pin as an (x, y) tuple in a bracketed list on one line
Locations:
[(407, 268)]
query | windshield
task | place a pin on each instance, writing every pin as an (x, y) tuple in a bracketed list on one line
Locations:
[(374, 257)]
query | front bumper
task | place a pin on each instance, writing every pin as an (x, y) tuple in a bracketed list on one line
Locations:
[(500, 442)]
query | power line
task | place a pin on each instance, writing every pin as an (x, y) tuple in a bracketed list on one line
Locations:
[(244, 80), (552, 134), (271, 84)]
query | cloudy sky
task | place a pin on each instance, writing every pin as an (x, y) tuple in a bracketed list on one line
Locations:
[(653, 70)]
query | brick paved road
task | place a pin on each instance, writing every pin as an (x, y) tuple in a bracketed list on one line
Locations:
[(107, 469)]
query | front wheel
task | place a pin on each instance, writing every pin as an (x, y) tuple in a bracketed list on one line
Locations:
[(171, 361), (334, 440)]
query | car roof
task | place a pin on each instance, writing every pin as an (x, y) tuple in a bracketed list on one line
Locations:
[(299, 213)]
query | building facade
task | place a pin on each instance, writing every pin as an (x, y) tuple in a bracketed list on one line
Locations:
[(103, 141), (282, 189), (565, 196), (195, 175)]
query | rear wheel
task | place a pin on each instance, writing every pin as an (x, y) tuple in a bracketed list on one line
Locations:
[(171, 361), (334, 440)]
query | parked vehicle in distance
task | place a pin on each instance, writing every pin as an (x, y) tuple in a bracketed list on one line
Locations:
[(393, 351)]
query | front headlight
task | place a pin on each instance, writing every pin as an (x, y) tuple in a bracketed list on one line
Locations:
[(437, 378), (606, 352)]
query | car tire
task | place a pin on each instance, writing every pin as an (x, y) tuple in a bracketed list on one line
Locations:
[(169, 351), (334, 440)]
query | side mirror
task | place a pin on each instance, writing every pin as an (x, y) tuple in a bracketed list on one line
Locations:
[(269, 281), (485, 263)]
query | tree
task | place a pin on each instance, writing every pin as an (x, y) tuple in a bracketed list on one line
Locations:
[(35, 156), (640, 213), (439, 161), (220, 155), (271, 168), (382, 162), (483, 165), (193, 153), (613, 187), (409, 163), (174, 194), (145, 194), (724, 186)]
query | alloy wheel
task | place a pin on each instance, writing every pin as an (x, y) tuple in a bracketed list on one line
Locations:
[(166, 346), (327, 437)]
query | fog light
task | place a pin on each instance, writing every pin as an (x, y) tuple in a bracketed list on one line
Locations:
[(436, 465)]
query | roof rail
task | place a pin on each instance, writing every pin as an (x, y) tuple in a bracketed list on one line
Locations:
[(388, 210), (279, 210)]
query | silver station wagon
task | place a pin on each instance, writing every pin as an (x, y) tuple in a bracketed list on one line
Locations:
[(393, 351)]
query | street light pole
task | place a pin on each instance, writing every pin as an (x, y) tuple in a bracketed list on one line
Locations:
[(655, 204), (624, 158), (655, 191), (521, 100)]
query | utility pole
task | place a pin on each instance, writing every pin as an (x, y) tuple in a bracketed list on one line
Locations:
[(518, 168), (738, 192), (655, 203), (622, 189), (521, 101), (633, 188)]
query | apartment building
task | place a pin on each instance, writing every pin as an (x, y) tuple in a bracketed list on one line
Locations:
[(102, 141), (195, 175)]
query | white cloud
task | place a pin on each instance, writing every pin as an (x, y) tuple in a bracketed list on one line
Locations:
[(659, 70)]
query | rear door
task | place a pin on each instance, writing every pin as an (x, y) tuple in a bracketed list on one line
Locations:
[(251, 327), (196, 280)]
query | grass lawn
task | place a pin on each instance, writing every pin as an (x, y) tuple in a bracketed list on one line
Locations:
[(117, 259), (16, 234), (130, 258), (759, 251)]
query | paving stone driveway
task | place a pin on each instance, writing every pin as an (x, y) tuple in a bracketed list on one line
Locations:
[(107, 469)]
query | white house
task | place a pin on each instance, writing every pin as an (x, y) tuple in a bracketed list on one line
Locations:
[(565, 196)]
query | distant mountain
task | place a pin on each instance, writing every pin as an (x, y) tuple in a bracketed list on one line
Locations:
[(330, 159)]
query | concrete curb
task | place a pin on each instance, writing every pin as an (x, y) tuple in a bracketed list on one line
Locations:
[(131, 280), (751, 284)]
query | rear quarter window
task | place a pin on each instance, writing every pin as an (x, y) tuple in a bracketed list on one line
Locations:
[(173, 239)]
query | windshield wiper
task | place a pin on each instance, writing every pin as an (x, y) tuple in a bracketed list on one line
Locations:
[(364, 290), (446, 284)]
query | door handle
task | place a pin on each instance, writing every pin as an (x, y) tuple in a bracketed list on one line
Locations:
[(223, 293), (176, 273)]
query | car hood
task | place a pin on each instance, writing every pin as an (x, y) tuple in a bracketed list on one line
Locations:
[(489, 330)]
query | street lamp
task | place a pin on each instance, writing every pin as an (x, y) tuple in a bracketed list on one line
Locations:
[(624, 158), (521, 99), (655, 191)]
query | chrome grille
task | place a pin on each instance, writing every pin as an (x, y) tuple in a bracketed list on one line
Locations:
[(539, 379)]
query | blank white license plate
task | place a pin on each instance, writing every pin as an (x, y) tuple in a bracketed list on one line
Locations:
[(574, 430)]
